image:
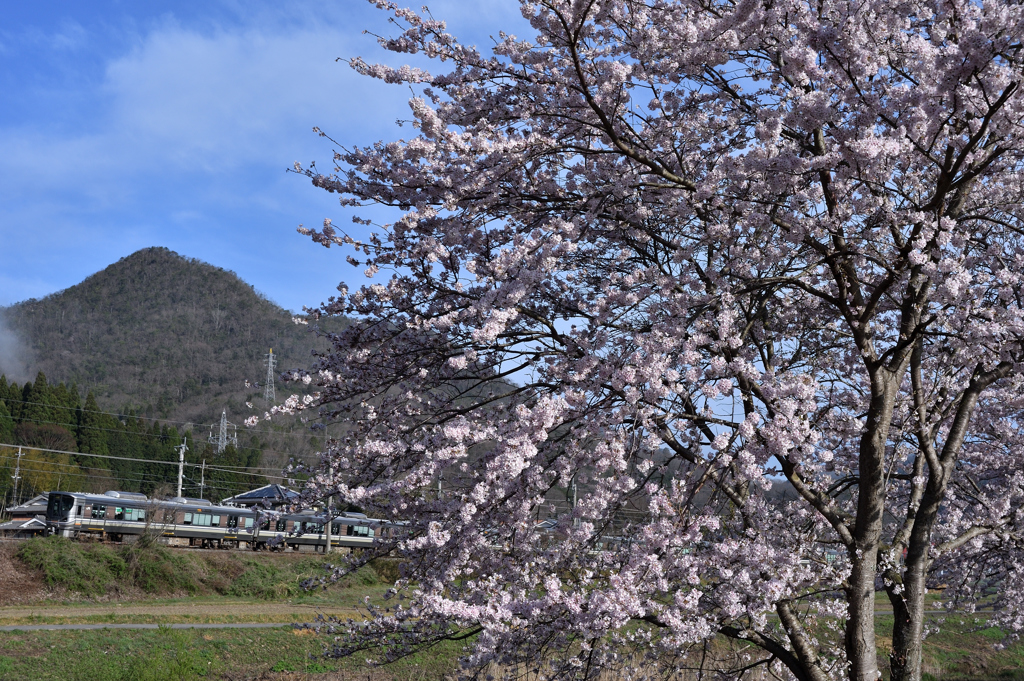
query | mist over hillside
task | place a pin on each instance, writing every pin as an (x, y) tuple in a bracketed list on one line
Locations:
[(164, 336)]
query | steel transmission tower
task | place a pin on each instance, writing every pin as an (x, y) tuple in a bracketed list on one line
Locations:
[(268, 385), (221, 440)]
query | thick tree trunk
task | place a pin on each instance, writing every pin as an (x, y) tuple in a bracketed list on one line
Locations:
[(860, 621), (909, 603), (908, 625), (861, 651)]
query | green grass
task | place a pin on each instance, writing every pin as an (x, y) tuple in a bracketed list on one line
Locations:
[(178, 655), (103, 570), (964, 648)]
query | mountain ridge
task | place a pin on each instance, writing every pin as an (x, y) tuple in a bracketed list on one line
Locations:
[(163, 335)]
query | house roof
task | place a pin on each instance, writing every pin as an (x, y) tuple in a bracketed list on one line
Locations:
[(34, 524), (267, 492), (31, 506)]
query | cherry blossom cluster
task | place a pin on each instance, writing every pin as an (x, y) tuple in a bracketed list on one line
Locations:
[(696, 319)]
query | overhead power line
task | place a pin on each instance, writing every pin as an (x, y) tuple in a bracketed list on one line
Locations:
[(227, 469), (145, 477), (152, 418), (215, 484), (152, 435), (71, 474), (139, 477)]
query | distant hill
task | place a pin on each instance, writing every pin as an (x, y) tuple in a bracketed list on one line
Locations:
[(165, 336)]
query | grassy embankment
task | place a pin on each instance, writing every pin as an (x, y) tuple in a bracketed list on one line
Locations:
[(961, 648), (961, 651), (187, 655), (90, 577), (87, 573)]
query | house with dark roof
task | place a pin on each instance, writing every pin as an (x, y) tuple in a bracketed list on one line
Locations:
[(27, 519), (272, 495)]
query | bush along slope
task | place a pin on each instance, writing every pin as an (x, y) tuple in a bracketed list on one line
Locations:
[(103, 570)]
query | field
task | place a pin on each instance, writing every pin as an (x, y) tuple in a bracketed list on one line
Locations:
[(57, 582), (176, 655)]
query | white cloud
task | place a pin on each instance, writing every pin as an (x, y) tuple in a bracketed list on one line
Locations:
[(217, 101), (184, 101), (180, 137)]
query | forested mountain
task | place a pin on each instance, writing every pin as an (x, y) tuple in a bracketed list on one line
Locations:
[(162, 336)]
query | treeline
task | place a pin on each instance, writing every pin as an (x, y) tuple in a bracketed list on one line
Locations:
[(39, 416)]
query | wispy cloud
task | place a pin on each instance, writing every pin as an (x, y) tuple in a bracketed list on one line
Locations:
[(180, 134)]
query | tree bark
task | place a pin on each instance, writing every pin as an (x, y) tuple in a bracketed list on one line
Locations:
[(908, 625), (861, 652)]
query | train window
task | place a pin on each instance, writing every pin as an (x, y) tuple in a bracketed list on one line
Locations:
[(187, 520), (118, 513), (248, 522), (336, 529), (78, 511), (282, 524), (216, 521), (232, 521), (265, 524), (59, 506), (99, 512), (135, 514)]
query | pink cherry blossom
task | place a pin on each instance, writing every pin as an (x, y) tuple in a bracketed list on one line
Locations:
[(705, 320)]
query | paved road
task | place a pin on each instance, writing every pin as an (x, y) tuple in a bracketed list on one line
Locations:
[(92, 627)]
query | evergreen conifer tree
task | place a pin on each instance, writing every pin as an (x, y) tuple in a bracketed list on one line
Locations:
[(63, 402), (38, 397), (13, 399), (92, 436), (6, 424)]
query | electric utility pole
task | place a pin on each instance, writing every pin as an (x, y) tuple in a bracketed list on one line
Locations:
[(202, 479), (327, 532), (17, 476), (575, 501), (181, 463)]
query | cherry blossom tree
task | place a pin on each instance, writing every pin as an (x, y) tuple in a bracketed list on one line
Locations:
[(679, 256)]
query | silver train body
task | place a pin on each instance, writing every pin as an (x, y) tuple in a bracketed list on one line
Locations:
[(116, 515)]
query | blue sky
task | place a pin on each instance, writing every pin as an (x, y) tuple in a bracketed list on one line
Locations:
[(125, 125)]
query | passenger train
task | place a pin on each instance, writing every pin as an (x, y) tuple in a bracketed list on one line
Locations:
[(116, 515)]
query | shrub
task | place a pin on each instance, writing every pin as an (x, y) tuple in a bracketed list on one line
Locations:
[(261, 580), (65, 564)]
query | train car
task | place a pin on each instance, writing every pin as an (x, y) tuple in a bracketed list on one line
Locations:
[(116, 515)]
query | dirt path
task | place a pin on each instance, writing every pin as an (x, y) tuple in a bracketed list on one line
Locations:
[(95, 627), (238, 611)]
